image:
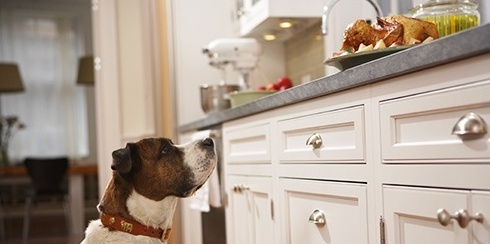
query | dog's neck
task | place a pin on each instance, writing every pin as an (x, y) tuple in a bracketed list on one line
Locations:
[(157, 214), (128, 203)]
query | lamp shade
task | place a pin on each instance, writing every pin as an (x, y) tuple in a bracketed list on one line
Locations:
[(86, 71), (10, 80)]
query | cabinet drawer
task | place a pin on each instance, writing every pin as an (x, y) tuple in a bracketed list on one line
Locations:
[(340, 134), (341, 205), (249, 145), (419, 127)]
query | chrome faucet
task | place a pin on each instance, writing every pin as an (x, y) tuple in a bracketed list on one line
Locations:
[(328, 8)]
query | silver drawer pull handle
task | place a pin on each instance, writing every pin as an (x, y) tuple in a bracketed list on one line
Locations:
[(317, 217), (470, 124), (462, 217), (314, 140)]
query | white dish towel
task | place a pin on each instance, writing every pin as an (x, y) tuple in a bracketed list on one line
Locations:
[(209, 194)]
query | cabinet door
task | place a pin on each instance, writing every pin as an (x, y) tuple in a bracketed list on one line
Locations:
[(410, 215), (342, 207), (249, 215), (260, 199), (238, 223), (480, 203)]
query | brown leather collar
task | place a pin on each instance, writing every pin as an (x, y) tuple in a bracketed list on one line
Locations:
[(133, 227)]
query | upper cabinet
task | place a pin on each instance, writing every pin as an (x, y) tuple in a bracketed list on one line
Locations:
[(257, 18)]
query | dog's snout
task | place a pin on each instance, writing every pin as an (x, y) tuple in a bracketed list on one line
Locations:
[(208, 142)]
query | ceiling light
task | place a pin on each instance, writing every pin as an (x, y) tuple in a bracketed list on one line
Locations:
[(285, 24), (269, 37)]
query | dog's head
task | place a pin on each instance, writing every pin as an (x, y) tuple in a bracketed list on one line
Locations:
[(157, 168)]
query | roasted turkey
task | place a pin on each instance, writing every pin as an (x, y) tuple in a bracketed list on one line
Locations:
[(396, 29)]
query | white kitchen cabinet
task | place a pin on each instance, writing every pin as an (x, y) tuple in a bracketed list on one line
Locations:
[(323, 212), (261, 153), (387, 162), (256, 16), (411, 215), (249, 214)]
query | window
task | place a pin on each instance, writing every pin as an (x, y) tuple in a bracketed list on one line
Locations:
[(46, 46)]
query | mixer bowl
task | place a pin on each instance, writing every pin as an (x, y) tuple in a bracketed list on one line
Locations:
[(216, 98)]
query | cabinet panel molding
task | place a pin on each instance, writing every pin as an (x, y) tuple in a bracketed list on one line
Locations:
[(419, 127), (411, 215), (340, 134), (250, 145), (342, 207), (249, 213)]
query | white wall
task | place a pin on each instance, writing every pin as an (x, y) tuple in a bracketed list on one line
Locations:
[(125, 93), (195, 24)]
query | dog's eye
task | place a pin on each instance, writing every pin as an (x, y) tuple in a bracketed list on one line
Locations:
[(165, 149)]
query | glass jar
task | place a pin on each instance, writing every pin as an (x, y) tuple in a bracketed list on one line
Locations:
[(450, 16)]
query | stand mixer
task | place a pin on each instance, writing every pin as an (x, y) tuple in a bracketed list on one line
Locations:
[(241, 53)]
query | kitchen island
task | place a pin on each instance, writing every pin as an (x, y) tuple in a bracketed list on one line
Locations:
[(379, 153)]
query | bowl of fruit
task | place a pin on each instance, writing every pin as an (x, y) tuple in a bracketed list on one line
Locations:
[(238, 98)]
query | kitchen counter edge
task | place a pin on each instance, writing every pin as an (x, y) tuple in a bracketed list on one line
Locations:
[(465, 44)]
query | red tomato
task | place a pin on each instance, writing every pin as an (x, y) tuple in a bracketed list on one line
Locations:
[(284, 83)]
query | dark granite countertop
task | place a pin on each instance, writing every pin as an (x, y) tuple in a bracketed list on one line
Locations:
[(459, 46)]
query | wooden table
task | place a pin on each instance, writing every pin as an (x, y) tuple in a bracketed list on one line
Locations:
[(18, 175)]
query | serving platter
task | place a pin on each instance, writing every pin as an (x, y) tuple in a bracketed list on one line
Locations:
[(347, 61)]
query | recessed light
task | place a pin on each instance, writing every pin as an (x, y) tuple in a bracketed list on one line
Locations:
[(269, 37), (285, 24)]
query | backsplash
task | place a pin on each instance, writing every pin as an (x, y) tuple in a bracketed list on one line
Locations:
[(305, 55)]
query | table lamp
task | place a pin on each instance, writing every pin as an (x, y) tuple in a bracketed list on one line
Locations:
[(86, 71), (10, 80)]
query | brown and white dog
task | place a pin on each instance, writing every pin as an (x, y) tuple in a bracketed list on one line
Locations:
[(148, 178)]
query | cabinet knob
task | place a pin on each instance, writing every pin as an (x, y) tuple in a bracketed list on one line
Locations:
[(239, 188), (317, 217), (461, 216), (240, 12), (470, 124), (95, 5), (97, 63), (314, 140)]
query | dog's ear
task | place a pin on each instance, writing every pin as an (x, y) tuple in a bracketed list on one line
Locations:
[(121, 160)]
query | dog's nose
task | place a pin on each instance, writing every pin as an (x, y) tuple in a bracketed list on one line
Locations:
[(208, 142)]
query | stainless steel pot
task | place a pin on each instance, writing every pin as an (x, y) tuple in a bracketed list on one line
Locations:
[(215, 98)]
